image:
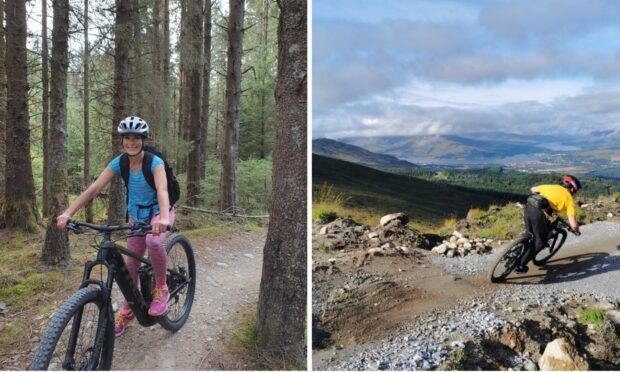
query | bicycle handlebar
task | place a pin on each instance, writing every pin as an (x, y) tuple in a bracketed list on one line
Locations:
[(137, 228), (568, 226)]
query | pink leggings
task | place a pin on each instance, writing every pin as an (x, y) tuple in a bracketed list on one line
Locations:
[(157, 253)]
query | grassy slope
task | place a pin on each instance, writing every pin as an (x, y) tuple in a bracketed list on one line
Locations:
[(427, 202)]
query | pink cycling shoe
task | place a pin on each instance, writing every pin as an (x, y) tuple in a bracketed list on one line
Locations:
[(159, 305), (124, 316)]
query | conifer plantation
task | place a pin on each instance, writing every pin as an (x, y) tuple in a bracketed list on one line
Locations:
[(225, 103)]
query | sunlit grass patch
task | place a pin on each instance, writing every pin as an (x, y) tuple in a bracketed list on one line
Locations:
[(593, 316)]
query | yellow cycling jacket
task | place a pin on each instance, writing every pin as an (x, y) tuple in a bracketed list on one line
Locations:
[(559, 198)]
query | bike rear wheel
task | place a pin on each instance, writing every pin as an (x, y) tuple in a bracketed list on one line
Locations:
[(508, 260), (181, 281), (80, 335), (555, 242)]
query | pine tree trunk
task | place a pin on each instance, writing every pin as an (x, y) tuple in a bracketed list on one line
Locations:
[(45, 118), (228, 179), (20, 204), (280, 322), (166, 70), (2, 115), (195, 69), (263, 98), (206, 80), (156, 104), (56, 246), (117, 203), (183, 85), (86, 181)]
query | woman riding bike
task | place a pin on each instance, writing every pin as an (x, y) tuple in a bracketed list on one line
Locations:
[(545, 200), (144, 204)]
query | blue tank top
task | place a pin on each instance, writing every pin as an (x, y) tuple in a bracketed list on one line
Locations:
[(141, 195)]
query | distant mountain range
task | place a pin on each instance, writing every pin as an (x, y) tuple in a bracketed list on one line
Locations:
[(355, 154), (595, 154)]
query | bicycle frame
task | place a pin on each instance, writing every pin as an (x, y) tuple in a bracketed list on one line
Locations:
[(110, 256)]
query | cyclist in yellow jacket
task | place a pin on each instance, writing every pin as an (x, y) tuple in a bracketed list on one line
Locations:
[(560, 200)]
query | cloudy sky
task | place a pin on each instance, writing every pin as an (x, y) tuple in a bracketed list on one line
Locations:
[(399, 67)]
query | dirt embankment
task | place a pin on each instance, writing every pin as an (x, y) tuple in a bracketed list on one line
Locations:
[(399, 306)]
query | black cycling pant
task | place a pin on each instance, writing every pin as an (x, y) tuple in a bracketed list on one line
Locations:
[(538, 225)]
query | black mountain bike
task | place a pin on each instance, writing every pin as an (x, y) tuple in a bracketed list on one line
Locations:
[(80, 335), (511, 256)]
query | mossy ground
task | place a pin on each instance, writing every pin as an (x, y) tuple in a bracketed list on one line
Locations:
[(243, 345)]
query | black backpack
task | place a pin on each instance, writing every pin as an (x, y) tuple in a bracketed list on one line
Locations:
[(174, 191)]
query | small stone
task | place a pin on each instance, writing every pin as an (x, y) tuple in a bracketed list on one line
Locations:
[(530, 366), (457, 234), (221, 264), (249, 255), (375, 251), (441, 249), (388, 245), (373, 235), (324, 230), (332, 261), (610, 215)]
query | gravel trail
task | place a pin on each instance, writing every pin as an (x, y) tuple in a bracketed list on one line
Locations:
[(588, 265)]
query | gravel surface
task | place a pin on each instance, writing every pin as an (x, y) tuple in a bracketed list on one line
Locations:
[(425, 342)]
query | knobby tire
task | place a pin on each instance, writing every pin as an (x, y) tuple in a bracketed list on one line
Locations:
[(508, 260), (180, 260), (51, 350)]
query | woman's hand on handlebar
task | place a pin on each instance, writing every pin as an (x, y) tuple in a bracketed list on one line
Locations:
[(62, 220), (160, 226)]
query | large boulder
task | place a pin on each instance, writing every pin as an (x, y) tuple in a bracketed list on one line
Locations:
[(394, 216), (560, 355)]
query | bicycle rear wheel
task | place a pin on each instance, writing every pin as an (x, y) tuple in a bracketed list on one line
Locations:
[(554, 243), (80, 336), (508, 260), (181, 281)]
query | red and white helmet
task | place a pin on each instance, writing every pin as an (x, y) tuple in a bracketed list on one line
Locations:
[(571, 183), (133, 125)]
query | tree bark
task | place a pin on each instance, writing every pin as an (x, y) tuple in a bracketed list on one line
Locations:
[(166, 68), (206, 90), (2, 114), (280, 322), (56, 246), (86, 182), (20, 204), (230, 148), (45, 118), (117, 199), (263, 98), (195, 70)]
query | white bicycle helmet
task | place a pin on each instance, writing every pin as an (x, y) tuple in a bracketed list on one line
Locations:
[(133, 125)]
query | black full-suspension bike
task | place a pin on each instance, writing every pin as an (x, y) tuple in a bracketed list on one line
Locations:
[(80, 335), (510, 258)]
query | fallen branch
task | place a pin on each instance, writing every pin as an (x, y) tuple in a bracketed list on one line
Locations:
[(219, 213)]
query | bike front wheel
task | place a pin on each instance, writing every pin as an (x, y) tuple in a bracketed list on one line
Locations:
[(181, 281), (508, 260), (554, 243), (80, 335)]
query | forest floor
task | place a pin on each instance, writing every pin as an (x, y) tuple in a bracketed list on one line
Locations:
[(229, 264)]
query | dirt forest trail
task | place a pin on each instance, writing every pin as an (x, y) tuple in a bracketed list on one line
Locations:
[(228, 278)]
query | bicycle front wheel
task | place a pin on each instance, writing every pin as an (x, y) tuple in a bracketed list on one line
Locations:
[(80, 335), (508, 260), (554, 243), (181, 281)]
